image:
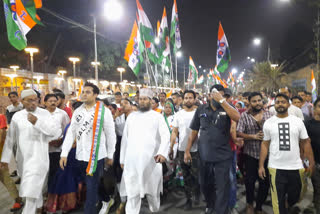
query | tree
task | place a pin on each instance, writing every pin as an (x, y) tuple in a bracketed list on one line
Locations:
[(265, 77)]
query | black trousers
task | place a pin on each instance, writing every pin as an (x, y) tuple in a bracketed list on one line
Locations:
[(215, 184), (252, 175), (286, 185), (54, 158)]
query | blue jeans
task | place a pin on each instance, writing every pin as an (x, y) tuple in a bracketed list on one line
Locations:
[(233, 182), (92, 183)]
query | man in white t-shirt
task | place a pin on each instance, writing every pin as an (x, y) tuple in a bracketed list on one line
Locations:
[(181, 128), (284, 134)]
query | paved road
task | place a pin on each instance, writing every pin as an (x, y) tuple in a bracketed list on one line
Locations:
[(173, 203)]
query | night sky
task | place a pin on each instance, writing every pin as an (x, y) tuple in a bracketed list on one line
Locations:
[(272, 20)]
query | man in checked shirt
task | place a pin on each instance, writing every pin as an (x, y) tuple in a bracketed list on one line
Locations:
[(250, 129)]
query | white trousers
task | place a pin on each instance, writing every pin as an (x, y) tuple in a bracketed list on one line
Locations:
[(134, 204), (32, 204)]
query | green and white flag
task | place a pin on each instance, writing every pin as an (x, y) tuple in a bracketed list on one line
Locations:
[(193, 72), (175, 29), (147, 34)]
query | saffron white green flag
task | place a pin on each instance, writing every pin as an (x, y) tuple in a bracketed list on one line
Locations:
[(314, 87), (175, 29), (223, 51), (193, 72)]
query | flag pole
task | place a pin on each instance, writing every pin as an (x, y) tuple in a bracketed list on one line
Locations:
[(176, 71)]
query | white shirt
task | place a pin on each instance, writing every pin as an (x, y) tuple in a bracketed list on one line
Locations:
[(81, 130), (119, 124), (292, 110), (284, 135), (161, 106), (12, 108), (182, 121), (61, 118), (32, 149)]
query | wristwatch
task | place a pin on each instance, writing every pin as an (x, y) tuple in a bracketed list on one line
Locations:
[(222, 100)]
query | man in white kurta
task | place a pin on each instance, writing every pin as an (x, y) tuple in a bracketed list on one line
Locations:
[(31, 130), (144, 146)]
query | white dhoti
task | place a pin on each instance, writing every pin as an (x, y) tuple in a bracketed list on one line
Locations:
[(32, 204)]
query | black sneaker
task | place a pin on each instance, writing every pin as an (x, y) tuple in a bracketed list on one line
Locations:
[(14, 173)]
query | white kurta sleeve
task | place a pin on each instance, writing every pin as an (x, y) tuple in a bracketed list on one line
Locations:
[(110, 133), (47, 127), (11, 140), (65, 121), (165, 138), (69, 139), (124, 142)]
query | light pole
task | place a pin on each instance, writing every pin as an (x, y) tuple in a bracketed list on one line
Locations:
[(31, 51), (62, 73), (15, 68), (74, 60), (95, 64), (38, 80), (257, 42), (178, 55), (121, 70)]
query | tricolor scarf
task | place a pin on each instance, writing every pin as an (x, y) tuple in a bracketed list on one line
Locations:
[(96, 134), (165, 117)]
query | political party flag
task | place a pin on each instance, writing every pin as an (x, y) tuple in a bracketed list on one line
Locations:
[(20, 20), (147, 34), (164, 46), (200, 80), (133, 53), (223, 52), (193, 72), (314, 87), (175, 29)]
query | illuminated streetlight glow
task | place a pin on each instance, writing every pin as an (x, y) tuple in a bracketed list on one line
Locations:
[(74, 59), (113, 10), (253, 60), (179, 54), (257, 41), (121, 70), (200, 66), (14, 67), (234, 71), (157, 40), (95, 63), (31, 51), (248, 57)]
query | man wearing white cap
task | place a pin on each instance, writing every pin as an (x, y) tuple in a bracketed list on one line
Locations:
[(31, 130), (144, 146)]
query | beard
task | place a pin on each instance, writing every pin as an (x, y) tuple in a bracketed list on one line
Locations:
[(144, 108), (188, 105), (256, 110), (281, 110)]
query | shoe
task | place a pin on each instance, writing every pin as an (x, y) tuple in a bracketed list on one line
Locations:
[(14, 173), (16, 207), (18, 181), (249, 209), (106, 206), (188, 205), (208, 211), (121, 208)]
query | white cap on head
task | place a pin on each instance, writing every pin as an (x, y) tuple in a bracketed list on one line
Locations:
[(146, 92), (27, 93)]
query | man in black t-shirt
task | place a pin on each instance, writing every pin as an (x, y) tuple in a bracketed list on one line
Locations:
[(313, 128)]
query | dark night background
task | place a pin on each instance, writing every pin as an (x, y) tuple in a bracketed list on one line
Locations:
[(287, 27)]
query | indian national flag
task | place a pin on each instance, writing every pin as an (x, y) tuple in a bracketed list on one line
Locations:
[(223, 52), (193, 72), (200, 80), (175, 29), (314, 87), (20, 18), (134, 49), (164, 46)]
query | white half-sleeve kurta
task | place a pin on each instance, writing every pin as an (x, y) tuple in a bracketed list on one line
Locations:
[(145, 135), (32, 149)]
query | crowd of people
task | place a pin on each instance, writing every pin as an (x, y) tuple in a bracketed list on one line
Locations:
[(98, 153)]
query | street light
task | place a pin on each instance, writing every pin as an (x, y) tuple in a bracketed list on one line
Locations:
[(121, 70), (74, 60), (31, 51), (257, 41), (179, 54), (15, 68), (253, 60), (95, 65), (11, 76), (157, 40), (234, 71), (200, 66), (113, 10), (62, 72), (38, 80)]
